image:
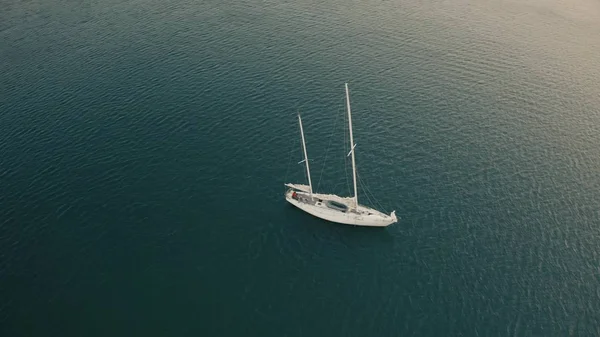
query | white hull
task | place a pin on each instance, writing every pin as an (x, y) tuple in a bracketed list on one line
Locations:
[(363, 216)]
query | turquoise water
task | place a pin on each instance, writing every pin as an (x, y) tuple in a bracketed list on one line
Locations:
[(145, 145)]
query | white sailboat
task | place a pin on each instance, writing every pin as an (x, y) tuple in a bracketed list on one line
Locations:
[(344, 210)]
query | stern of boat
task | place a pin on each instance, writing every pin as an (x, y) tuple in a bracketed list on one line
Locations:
[(290, 193)]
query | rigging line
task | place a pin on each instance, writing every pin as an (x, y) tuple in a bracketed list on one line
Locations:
[(368, 191), (287, 171), (374, 197), (328, 148), (369, 197)]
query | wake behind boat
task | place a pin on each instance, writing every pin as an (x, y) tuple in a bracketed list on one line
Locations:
[(344, 210)]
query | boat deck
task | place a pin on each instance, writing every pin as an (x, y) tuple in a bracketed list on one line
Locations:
[(332, 202)]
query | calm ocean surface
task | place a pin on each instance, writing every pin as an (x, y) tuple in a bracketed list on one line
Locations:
[(144, 145)]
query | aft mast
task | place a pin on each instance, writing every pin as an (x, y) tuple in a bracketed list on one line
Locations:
[(352, 146), (305, 155)]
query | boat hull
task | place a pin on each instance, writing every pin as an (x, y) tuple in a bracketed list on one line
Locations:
[(318, 208)]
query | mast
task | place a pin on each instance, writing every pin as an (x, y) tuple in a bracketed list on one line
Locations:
[(305, 155), (352, 146)]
